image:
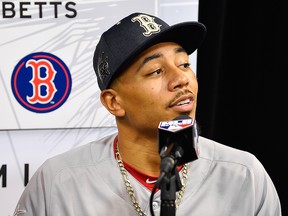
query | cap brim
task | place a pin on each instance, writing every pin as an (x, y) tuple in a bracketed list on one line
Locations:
[(189, 35)]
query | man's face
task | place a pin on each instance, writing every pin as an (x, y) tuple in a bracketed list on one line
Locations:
[(158, 86)]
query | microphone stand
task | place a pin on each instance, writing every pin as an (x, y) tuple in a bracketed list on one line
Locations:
[(170, 184), (173, 138)]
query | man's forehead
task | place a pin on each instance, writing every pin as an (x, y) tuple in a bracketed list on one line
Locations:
[(161, 48)]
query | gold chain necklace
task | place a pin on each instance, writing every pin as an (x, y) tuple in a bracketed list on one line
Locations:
[(130, 189)]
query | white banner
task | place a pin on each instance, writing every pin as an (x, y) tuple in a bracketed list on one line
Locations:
[(53, 42)]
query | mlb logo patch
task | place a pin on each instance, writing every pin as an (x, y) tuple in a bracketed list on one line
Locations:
[(41, 82), (175, 125)]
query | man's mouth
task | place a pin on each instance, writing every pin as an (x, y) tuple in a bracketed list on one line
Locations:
[(183, 102)]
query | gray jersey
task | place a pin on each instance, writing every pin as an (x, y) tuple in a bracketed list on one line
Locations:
[(86, 181)]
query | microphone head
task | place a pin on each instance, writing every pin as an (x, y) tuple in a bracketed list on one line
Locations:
[(180, 132)]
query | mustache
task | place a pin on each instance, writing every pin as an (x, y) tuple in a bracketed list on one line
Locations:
[(179, 94)]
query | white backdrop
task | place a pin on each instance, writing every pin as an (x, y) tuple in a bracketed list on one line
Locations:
[(27, 137)]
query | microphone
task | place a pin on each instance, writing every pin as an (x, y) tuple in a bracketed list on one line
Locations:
[(178, 139), (177, 142)]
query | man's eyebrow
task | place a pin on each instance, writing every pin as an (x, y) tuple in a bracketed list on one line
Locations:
[(180, 49), (149, 58), (158, 55)]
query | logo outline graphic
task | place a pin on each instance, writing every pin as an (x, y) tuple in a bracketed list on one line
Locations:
[(148, 24), (22, 89)]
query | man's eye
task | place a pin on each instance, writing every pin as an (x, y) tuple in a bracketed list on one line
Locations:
[(158, 71), (185, 65)]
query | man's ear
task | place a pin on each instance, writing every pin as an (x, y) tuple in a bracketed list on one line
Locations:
[(112, 101)]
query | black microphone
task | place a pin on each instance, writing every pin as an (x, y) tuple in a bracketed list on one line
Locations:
[(178, 139), (177, 142)]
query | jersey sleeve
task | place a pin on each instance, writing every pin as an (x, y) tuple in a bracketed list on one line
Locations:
[(266, 197), (35, 198)]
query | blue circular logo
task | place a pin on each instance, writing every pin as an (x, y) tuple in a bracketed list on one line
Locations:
[(41, 82)]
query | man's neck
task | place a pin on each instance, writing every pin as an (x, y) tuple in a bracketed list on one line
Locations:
[(140, 153)]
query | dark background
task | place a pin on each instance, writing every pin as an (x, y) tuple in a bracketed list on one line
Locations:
[(242, 73)]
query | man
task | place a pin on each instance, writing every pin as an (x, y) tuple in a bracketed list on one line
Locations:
[(143, 70)]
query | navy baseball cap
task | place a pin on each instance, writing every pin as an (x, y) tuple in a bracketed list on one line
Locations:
[(124, 41)]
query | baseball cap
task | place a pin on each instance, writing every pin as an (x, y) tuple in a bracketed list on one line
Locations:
[(124, 41)]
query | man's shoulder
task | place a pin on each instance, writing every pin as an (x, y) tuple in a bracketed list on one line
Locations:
[(220, 153), (89, 154)]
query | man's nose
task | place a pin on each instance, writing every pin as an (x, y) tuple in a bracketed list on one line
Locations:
[(178, 79)]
